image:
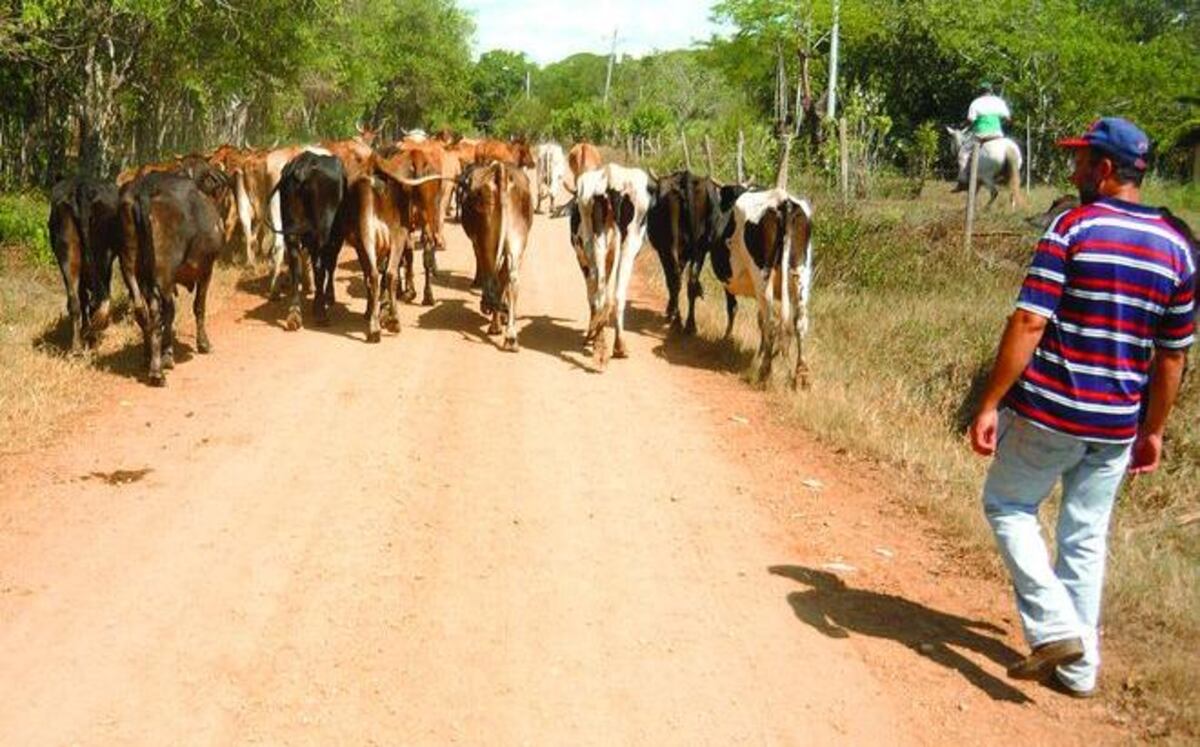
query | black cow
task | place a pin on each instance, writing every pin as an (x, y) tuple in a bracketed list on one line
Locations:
[(85, 235), (311, 191), (171, 236), (691, 220)]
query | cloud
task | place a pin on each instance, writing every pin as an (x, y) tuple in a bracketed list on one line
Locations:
[(549, 30)]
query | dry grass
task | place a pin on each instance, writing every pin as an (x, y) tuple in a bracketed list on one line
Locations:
[(43, 385), (905, 324)]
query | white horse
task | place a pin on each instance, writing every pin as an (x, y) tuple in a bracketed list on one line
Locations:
[(999, 158)]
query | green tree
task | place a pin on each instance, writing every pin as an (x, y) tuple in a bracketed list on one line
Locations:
[(496, 78)]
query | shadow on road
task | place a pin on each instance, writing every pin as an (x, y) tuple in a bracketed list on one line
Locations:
[(722, 354), (837, 610), (549, 335)]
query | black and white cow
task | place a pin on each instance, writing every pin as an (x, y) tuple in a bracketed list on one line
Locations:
[(769, 256), (608, 231)]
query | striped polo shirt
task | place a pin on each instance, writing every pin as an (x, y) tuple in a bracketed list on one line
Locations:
[(1115, 281)]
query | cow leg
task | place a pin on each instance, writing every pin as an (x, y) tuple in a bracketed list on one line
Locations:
[(199, 301), (766, 330), (141, 312), (322, 298), (671, 273), (694, 292), (430, 262), (277, 259), (730, 313), (366, 259), (152, 334), (511, 288), (410, 283), (243, 213), (294, 319), (74, 304), (624, 274), (168, 330), (391, 317)]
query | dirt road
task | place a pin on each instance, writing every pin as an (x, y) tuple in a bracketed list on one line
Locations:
[(306, 539)]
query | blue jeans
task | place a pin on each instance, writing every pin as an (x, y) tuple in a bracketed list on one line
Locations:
[(1061, 600)]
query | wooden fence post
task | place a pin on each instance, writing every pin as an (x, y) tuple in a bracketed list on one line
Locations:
[(741, 163), (781, 176), (1028, 159), (971, 192), (708, 156), (844, 158)]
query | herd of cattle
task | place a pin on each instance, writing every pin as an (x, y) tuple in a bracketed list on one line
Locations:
[(166, 224)]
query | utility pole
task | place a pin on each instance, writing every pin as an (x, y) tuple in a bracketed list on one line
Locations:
[(831, 99), (612, 55), (527, 84)]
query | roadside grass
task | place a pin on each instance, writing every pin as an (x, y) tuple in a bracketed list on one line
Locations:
[(904, 328), (43, 385)]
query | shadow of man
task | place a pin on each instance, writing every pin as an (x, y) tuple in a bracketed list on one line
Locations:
[(835, 609)]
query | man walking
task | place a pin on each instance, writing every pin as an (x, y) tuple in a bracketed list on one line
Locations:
[(1105, 317)]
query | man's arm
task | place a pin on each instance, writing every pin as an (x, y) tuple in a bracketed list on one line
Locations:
[(1166, 372), (1021, 337)]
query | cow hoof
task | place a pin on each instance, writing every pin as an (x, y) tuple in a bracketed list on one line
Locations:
[(427, 301), (322, 321), (157, 379), (392, 325), (293, 322), (374, 336), (511, 346), (408, 296), (203, 346), (690, 329), (168, 362), (619, 351)]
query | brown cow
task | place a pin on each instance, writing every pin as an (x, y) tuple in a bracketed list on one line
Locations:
[(418, 161), (497, 215), (516, 153), (583, 157)]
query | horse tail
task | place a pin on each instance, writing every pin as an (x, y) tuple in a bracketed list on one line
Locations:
[(1012, 164)]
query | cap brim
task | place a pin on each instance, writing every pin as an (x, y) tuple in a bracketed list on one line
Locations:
[(1073, 142)]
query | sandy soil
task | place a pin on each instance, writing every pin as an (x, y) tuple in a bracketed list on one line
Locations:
[(306, 539)]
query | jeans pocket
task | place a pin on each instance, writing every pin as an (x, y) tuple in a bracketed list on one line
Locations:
[(1004, 424)]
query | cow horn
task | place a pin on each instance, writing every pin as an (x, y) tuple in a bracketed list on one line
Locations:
[(420, 180), (653, 175)]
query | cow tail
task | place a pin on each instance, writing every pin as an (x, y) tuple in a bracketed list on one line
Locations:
[(145, 240), (83, 214), (502, 254), (785, 270)]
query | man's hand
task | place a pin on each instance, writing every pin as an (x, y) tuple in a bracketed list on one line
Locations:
[(983, 432), (1147, 450)]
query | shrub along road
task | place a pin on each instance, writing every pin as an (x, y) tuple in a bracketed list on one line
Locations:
[(308, 539)]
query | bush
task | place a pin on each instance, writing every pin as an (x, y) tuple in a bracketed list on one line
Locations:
[(23, 218)]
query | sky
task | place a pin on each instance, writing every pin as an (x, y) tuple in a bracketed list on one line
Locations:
[(549, 30)]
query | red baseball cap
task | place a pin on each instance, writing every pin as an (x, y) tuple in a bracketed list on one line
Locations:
[(1116, 137)]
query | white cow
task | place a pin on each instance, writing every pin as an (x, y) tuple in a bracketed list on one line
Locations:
[(551, 171), (608, 228), (770, 256)]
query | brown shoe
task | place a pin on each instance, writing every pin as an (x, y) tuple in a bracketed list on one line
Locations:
[(1039, 664)]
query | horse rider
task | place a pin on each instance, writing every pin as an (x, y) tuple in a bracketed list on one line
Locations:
[(986, 115)]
